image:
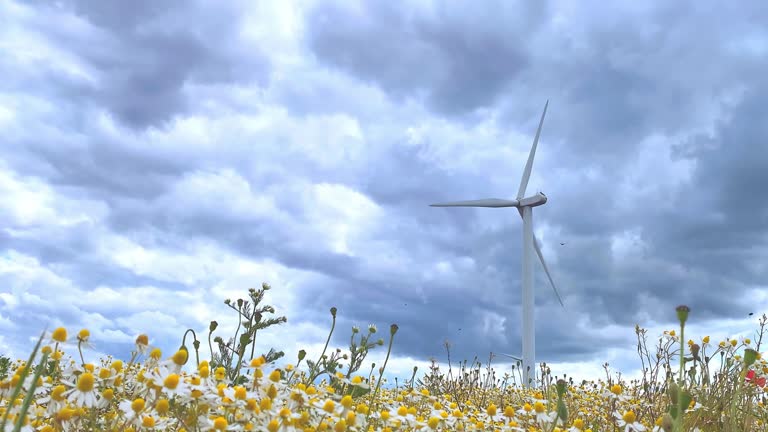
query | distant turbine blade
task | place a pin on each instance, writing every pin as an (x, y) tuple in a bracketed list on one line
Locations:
[(511, 356), (546, 270), (488, 202), (529, 164)]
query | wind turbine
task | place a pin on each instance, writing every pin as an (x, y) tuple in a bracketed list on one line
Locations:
[(525, 207)]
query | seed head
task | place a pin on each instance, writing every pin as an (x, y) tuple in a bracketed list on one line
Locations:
[(393, 329), (695, 351)]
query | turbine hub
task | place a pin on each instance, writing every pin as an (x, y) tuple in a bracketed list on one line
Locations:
[(533, 200)]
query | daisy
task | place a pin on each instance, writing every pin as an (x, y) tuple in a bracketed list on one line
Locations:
[(133, 411), (83, 393), (169, 380), (629, 422)]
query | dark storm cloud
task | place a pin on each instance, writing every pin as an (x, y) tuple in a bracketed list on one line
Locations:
[(460, 58), (148, 52)]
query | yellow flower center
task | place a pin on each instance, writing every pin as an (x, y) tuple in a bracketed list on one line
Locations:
[(346, 401), (629, 417), (220, 373), (59, 335), (220, 424), (85, 382), (433, 422), (83, 335), (273, 426), (275, 375), (56, 393), (171, 382), (156, 354), (108, 394), (137, 405), (616, 389), (240, 392), (180, 358), (204, 371), (329, 406), (148, 421), (538, 407), (162, 406)]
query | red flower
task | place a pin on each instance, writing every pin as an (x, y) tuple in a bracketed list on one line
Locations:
[(751, 378)]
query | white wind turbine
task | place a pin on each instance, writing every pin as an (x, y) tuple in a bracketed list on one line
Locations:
[(530, 243)]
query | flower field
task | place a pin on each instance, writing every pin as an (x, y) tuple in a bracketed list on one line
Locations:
[(713, 386)]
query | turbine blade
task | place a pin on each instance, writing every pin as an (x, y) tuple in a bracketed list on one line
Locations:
[(546, 270), (487, 202), (543, 263), (529, 164), (511, 356)]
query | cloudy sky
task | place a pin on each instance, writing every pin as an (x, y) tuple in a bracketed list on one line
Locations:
[(159, 157)]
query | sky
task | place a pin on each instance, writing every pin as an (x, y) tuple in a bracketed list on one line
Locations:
[(159, 157)]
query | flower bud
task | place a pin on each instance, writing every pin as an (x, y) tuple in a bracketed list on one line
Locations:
[(682, 314), (393, 329), (561, 387), (213, 326), (302, 354), (333, 312), (673, 391), (750, 356), (667, 423)]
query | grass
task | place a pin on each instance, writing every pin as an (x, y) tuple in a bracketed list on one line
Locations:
[(685, 386)]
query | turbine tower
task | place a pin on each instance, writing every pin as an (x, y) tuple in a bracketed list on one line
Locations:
[(525, 207)]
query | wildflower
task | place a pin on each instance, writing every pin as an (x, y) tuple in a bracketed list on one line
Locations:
[(616, 392), (578, 426), (59, 335), (542, 415), (83, 339), (750, 378), (629, 422), (169, 381), (142, 343), (83, 393)]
